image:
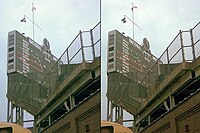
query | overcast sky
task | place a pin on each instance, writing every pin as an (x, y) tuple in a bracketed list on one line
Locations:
[(60, 21), (160, 21)]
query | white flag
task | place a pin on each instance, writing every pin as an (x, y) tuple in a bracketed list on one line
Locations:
[(33, 8)]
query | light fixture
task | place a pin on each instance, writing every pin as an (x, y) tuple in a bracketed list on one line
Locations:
[(23, 20)]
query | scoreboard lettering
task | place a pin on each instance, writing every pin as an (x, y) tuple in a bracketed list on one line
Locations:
[(128, 57), (25, 56)]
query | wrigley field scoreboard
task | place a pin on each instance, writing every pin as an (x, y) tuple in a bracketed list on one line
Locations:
[(127, 57), (25, 56), (127, 65)]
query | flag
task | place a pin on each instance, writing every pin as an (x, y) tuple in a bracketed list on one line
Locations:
[(23, 20), (33, 8), (133, 6), (123, 20)]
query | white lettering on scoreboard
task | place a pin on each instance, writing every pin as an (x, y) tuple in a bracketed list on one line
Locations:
[(125, 57), (25, 55)]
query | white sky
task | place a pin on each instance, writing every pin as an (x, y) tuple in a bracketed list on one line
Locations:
[(160, 21), (60, 21)]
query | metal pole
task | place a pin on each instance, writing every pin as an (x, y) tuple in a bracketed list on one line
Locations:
[(8, 111), (133, 16), (192, 44), (33, 8), (82, 46), (182, 45), (92, 44)]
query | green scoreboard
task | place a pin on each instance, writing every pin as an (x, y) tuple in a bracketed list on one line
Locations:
[(25, 56), (127, 65), (127, 57)]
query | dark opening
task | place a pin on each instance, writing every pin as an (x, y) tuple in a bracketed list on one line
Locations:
[(86, 91), (87, 129)]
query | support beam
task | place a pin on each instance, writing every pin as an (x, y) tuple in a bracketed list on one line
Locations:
[(182, 80), (14, 110), (172, 102), (149, 120), (118, 114), (166, 106)]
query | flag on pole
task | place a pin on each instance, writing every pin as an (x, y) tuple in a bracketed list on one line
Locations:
[(132, 8), (33, 8)]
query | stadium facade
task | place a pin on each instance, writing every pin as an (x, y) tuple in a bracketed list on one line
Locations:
[(58, 92), (166, 97)]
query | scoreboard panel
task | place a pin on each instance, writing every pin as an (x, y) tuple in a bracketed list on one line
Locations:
[(127, 65), (127, 57), (25, 56)]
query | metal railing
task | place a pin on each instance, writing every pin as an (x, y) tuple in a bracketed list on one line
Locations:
[(84, 48), (184, 48)]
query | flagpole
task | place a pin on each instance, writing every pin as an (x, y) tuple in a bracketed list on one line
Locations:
[(33, 21), (133, 16), (33, 8)]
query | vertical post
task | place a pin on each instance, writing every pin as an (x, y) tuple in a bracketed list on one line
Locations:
[(121, 115), (108, 110), (149, 120), (133, 17), (50, 120), (116, 114), (12, 108), (67, 51), (22, 116), (172, 101), (192, 44), (168, 62), (82, 47), (182, 45), (35, 129), (92, 43), (33, 8), (17, 115), (72, 102), (8, 111), (137, 127), (166, 106)]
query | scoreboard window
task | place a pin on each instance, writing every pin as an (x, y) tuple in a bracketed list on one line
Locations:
[(111, 48), (111, 60), (11, 60), (11, 49)]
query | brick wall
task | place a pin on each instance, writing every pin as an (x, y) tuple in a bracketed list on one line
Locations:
[(185, 118), (85, 118)]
